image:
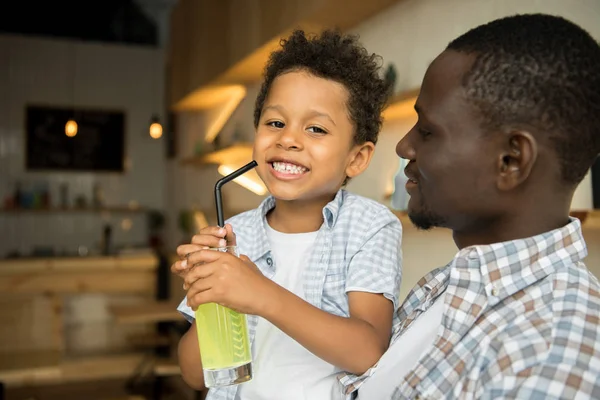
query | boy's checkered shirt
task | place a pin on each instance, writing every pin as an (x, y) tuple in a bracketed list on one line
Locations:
[(357, 249)]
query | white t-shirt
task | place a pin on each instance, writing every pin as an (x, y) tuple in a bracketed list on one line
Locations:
[(403, 354), (284, 369)]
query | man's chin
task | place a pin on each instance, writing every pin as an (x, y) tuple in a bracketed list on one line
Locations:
[(424, 220)]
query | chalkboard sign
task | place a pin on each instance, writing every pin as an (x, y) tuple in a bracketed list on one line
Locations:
[(99, 144)]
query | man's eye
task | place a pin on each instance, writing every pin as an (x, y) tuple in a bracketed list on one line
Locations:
[(423, 132)]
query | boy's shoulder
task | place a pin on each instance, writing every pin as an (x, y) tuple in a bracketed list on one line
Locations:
[(359, 208), (245, 219)]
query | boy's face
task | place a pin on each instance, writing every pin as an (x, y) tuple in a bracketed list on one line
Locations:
[(453, 163), (304, 143)]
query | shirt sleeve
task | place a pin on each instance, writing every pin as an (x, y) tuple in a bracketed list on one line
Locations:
[(377, 265)]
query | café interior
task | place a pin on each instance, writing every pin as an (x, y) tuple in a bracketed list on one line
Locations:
[(118, 118)]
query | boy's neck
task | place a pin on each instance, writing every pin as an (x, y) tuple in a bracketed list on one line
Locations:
[(297, 216)]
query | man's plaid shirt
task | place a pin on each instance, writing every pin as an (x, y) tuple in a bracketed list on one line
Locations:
[(521, 320)]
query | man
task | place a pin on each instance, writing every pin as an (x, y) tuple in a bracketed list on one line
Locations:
[(509, 124)]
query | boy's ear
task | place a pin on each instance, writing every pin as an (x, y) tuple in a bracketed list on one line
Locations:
[(360, 158)]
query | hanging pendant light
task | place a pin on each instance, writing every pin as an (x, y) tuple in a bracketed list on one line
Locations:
[(156, 129), (71, 128)]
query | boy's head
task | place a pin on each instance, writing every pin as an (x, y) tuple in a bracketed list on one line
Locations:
[(509, 123), (317, 115)]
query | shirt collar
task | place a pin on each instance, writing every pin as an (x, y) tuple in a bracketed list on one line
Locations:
[(261, 243), (330, 211), (509, 267)]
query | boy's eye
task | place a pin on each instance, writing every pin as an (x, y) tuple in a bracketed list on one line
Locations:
[(316, 129), (276, 124)]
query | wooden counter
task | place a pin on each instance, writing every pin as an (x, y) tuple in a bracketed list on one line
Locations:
[(58, 306), (57, 275)]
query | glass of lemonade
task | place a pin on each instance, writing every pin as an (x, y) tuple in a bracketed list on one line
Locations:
[(224, 342)]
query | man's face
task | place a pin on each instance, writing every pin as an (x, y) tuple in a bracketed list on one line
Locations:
[(452, 162)]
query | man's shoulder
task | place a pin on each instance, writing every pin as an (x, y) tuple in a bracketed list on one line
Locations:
[(545, 323), (575, 286)]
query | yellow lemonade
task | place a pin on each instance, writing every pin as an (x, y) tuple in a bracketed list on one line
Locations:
[(223, 337)]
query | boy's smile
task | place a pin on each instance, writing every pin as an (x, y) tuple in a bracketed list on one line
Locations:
[(287, 169)]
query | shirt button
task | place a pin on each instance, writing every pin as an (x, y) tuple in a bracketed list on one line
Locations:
[(269, 261), (495, 291)]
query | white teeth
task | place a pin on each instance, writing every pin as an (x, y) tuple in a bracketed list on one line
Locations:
[(288, 168)]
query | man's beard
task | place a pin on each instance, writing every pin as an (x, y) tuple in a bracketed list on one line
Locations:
[(425, 218)]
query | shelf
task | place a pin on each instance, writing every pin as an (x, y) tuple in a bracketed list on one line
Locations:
[(401, 105), (37, 266), (235, 154), (58, 210)]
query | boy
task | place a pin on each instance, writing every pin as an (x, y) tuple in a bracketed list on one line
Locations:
[(323, 293)]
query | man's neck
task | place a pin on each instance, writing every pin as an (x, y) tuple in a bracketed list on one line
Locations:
[(298, 216)]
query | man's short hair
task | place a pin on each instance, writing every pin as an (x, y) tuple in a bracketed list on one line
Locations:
[(542, 72)]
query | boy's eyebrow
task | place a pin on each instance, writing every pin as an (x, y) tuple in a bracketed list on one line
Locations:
[(313, 112), (276, 108), (325, 115)]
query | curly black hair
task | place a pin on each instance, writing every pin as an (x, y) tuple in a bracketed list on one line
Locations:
[(538, 71), (340, 58)]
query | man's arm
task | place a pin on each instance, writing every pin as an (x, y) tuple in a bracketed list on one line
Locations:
[(189, 359)]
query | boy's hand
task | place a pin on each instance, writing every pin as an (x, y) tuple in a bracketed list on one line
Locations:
[(233, 282), (211, 236)]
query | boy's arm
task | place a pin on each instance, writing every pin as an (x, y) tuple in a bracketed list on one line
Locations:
[(353, 344), (188, 353)]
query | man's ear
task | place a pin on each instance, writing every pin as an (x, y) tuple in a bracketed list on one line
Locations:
[(360, 158), (516, 160)]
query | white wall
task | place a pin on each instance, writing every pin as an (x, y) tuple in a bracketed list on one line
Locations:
[(128, 78), (410, 35)]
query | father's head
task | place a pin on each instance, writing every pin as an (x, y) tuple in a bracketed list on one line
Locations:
[(509, 124)]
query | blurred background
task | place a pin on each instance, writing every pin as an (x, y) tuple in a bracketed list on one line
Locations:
[(116, 119)]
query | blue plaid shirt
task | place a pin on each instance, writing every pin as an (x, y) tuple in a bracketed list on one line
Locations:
[(521, 320), (357, 249)]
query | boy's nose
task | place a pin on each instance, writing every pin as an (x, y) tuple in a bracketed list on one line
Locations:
[(289, 140)]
